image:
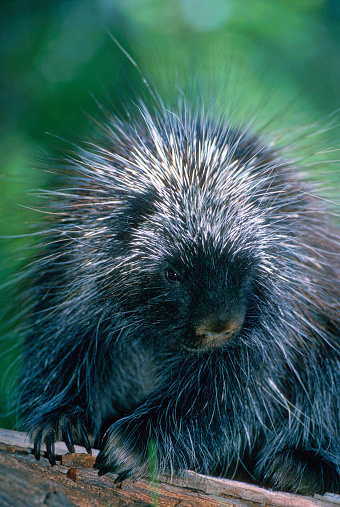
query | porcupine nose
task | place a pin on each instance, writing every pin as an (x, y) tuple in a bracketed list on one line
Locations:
[(214, 331)]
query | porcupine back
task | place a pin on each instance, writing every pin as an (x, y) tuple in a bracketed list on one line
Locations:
[(201, 196)]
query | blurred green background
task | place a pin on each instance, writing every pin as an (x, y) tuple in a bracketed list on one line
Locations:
[(57, 60)]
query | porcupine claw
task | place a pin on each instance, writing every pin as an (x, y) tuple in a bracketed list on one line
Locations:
[(112, 467), (125, 474), (104, 470), (50, 448), (85, 440), (67, 437), (37, 445), (122, 476)]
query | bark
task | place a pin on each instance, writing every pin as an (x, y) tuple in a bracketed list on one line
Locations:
[(25, 482)]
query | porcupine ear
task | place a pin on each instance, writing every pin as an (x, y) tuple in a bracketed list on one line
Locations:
[(137, 209)]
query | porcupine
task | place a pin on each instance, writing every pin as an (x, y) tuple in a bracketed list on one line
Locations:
[(187, 299)]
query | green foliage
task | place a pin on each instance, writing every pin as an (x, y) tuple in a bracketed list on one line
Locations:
[(153, 472)]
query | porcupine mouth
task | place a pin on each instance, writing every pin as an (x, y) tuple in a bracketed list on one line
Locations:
[(207, 339)]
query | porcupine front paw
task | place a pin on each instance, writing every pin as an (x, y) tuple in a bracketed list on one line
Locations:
[(61, 424), (300, 471), (126, 449)]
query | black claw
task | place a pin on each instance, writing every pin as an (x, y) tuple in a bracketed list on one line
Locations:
[(37, 443), (50, 448), (85, 440), (122, 476), (97, 463), (104, 470), (67, 436)]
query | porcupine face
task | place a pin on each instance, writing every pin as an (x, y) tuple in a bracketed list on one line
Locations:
[(198, 305), (190, 294), (192, 254)]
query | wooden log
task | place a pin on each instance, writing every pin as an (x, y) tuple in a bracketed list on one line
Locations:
[(72, 481)]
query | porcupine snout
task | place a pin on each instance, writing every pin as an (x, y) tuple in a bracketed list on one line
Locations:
[(215, 330), (220, 305)]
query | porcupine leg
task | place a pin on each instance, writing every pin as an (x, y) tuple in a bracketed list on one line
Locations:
[(132, 443), (53, 400), (299, 471), (167, 431)]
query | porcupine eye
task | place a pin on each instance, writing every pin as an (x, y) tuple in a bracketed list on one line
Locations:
[(172, 276)]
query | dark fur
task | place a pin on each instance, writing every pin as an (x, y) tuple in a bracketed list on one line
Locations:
[(190, 303)]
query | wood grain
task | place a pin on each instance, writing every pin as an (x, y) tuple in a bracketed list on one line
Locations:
[(72, 481)]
